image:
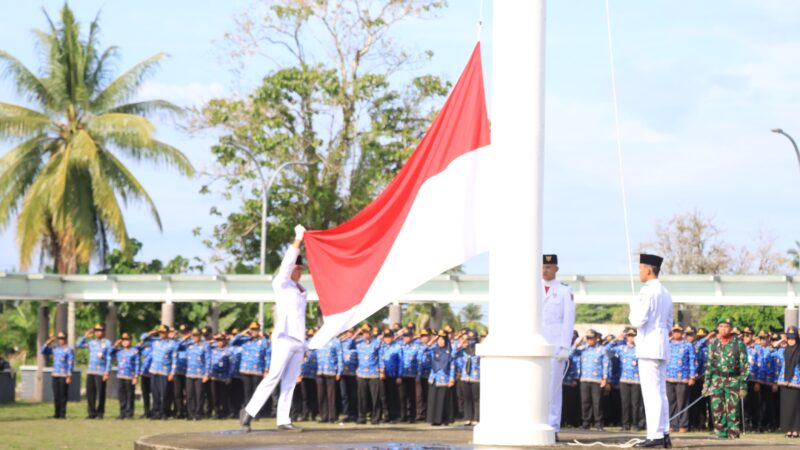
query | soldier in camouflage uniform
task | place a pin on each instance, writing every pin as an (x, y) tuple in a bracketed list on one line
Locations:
[(726, 379)]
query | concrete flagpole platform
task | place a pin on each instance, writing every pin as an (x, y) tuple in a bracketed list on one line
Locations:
[(419, 437)]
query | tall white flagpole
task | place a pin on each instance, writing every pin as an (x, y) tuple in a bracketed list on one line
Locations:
[(515, 358)]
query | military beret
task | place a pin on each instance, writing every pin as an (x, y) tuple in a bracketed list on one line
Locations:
[(725, 320), (550, 259), (650, 260)]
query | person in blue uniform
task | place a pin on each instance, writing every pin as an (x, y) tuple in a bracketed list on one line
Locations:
[(424, 357), (196, 373), (99, 370), (789, 382), (593, 372), (127, 375), (763, 381), (219, 367), (236, 388), (441, 381), (630, 390), (348, 386), (252, 368), (370, 368), (210, 343), (570, 391), (611, 402), (63, 364), (330, 366), (146, 355), (304, 406), (410, 375), (178, 383), (391, 358), (161, 369), (681, 376), (470, 380)]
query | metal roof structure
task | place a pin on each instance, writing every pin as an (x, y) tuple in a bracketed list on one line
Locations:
[(766, 290)]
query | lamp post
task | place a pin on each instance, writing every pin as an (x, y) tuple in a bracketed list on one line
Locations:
[(794, 144), (265, 189)]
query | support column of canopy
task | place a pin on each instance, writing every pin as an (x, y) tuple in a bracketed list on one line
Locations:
[(168, 314), (395, 314), (515, 344), (41, 337), (111, 322)]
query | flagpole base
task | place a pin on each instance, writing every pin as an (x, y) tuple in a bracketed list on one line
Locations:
[(515, 380)]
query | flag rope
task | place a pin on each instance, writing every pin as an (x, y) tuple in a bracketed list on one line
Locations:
[(480, 21), (619, 148)]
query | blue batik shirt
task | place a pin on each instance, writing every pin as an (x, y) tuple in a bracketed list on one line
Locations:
[(128, 366), (369, 361), (163, 355), (628, 362), (682, 364), (573, 368), (701, 353), (614, 364), (63, 359), (219, 365), (147, 360), (309, 367), (410, 361), (253, 353), (179, 361), (441, 374), (99, 355), (195, 359), (593, 364), (471, 368), (391, 357), (349, 356), (329, 359)]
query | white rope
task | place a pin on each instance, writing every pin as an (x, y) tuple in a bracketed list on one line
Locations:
[(629, 444), (480, 21), (619, 148)]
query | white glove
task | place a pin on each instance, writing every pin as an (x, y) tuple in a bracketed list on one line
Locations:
[(562, 354), (298, 232)]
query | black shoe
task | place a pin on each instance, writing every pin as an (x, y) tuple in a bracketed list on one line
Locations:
[(667, 441), (91, 417), (289, 427), (585, 426), (244, 420), (600, 428), (651, 443), (361, 422)]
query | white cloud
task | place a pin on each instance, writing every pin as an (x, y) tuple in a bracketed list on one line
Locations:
[(190, 94)]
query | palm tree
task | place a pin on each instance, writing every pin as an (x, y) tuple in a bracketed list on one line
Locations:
[(794, 253), (64, 178)]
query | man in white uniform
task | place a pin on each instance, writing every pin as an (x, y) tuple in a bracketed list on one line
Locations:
[(288, 339), (558, 321), (651, 314)]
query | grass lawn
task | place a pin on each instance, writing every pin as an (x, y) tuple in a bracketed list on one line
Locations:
[(27, 426)]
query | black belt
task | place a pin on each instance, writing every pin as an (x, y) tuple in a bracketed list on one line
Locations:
[(729, 374)]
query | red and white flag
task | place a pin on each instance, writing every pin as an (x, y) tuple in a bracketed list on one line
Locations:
[(431, 217)]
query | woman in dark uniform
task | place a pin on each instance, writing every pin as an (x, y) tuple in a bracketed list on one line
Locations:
[(789, 381), (440, 382)]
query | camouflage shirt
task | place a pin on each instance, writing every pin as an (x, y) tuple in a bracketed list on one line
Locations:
[(727, 364)]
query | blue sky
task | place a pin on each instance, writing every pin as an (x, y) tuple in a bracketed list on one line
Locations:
[(700, 85)]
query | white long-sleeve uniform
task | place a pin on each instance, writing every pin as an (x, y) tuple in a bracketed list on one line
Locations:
[(651, 315), (558, 321), (288, 337)]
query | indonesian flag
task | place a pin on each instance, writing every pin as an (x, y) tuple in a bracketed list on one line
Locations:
[(431, 217)]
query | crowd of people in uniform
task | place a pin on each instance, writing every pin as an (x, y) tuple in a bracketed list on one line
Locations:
[(381, 375), (601, 383)]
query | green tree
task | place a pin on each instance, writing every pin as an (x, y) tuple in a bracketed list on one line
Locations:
[(64, 178), (794, 256), (339, 109)]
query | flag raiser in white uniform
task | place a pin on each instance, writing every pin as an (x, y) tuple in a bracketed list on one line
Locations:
[(651, 314), (558, 321)]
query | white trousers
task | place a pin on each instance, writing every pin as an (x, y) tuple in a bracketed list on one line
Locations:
[(284, 367), (653, 379), (556, 377)]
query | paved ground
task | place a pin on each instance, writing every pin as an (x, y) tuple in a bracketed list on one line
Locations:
[(415, 438)]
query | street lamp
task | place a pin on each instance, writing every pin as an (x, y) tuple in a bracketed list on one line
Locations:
[(265, 189), (780, 131)]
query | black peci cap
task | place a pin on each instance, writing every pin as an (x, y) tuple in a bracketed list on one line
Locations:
[(550, 259), (651, 260)]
